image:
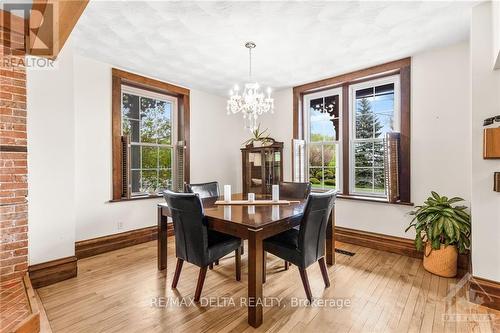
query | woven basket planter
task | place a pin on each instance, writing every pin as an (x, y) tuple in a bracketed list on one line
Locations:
[(442, 262)]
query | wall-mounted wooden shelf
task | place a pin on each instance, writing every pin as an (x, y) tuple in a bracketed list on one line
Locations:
[(491, 143)]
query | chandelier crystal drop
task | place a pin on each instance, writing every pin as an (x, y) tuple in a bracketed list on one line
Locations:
[(251, 102)]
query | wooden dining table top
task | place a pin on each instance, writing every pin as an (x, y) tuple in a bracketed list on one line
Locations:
[(253, 217)]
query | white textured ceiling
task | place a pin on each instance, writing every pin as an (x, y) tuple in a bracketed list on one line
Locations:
[(200, 44)]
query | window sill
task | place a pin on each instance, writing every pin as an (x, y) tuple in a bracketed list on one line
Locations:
[(373, 199), (367, 198), (142, 197)]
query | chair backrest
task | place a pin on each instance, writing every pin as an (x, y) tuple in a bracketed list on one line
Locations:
[(205, 190), (312, 232), (295, 190), (190, 228)]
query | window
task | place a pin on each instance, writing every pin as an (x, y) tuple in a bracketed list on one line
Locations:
[(374, 113), (352, 133), (323, 137), (148, 119), (150, 131)]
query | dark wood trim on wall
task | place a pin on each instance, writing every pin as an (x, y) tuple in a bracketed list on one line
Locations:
[(401, 67), (405, 135), (50, 272), (345, 142), (485, 292), (119, 78), (95, 246), (398, 245), (353, 76)]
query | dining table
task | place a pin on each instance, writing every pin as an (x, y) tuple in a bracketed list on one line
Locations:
[(251, 223)]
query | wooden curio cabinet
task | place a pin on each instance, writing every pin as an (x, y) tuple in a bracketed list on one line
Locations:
[(262, 167)]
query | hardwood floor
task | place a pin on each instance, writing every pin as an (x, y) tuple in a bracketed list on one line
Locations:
[(115, 292)]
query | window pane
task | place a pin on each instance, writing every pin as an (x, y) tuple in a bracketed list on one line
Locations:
[(366, 122), (363, 154), (378, 154), (332, 105), (379, 175), (363, 180), (367, 92), (136, 181), (330, 178), (324, 124), (165, 124), (330, 156), (383, 108), (149, 157), (135, 158), (165, 158), (315, 158), (385, 89), (149, 120), (149, 181), (165, 179), (131, 127), (316, 176), (130, 106)]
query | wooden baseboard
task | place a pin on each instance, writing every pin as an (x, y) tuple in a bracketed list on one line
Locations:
[(485, 292), (94, 246), (399, 245), (50, 272), (32, 323)]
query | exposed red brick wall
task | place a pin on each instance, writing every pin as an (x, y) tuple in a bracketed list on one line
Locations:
[(13, 158)]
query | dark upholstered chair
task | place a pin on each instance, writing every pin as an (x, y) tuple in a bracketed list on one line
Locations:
[(305, 246), (194, 243), (205, 190), (291, 190)]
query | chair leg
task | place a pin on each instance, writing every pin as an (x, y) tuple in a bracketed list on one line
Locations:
[(216, 262), (286, 265), (264, 265), (211, 266), (199, 286), (177, 273), (305, 282), (237, 259), (242, 251), (324, 271)]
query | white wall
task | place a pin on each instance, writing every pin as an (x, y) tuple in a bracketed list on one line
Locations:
[(440, 145), (485, 103), (495, 12), (216, 139), (51, 163)]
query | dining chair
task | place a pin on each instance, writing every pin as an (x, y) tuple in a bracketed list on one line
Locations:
[(293, 190), (194, 242), (204, 190), (207, 190), (305, 246)]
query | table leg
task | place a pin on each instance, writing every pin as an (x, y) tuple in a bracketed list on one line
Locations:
[(255, 300), (330, 239), (162, 240)]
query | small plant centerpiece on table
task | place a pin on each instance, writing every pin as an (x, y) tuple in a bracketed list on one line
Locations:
[(442, 230), (260, 138)]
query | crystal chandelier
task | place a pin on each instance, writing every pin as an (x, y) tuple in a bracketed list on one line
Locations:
[(252, 102)]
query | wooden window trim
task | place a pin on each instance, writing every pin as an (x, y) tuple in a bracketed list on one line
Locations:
[(401, 67), (120, 77)]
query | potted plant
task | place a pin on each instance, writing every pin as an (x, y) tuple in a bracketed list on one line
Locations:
[(260, 138), (442, 230)]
